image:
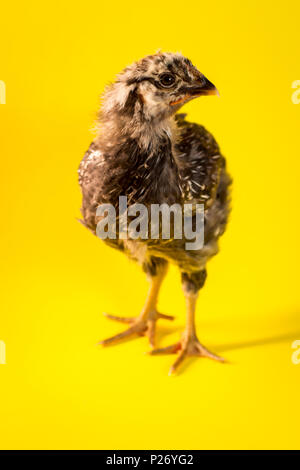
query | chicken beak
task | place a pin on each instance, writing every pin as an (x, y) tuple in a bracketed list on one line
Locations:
[(200, 87), (203, 87)]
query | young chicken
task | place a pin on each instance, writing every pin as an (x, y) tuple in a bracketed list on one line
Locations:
[(150, 155)]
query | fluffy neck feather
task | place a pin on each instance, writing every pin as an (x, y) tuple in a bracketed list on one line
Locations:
[(125, 114)]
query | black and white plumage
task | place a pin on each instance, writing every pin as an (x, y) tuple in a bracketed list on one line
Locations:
[(151, 155)]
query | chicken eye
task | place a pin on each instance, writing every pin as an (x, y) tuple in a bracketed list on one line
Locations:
[(167, 80)]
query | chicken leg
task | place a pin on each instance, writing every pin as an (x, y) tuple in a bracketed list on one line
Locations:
[(145, 323), (189, 345)]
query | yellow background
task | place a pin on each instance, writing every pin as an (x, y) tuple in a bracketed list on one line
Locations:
[(58, 389)]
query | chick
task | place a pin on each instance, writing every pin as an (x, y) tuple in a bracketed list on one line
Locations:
[(151, 155)]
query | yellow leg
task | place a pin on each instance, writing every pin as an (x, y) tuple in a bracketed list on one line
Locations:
[(145, 323), (189, 344)]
